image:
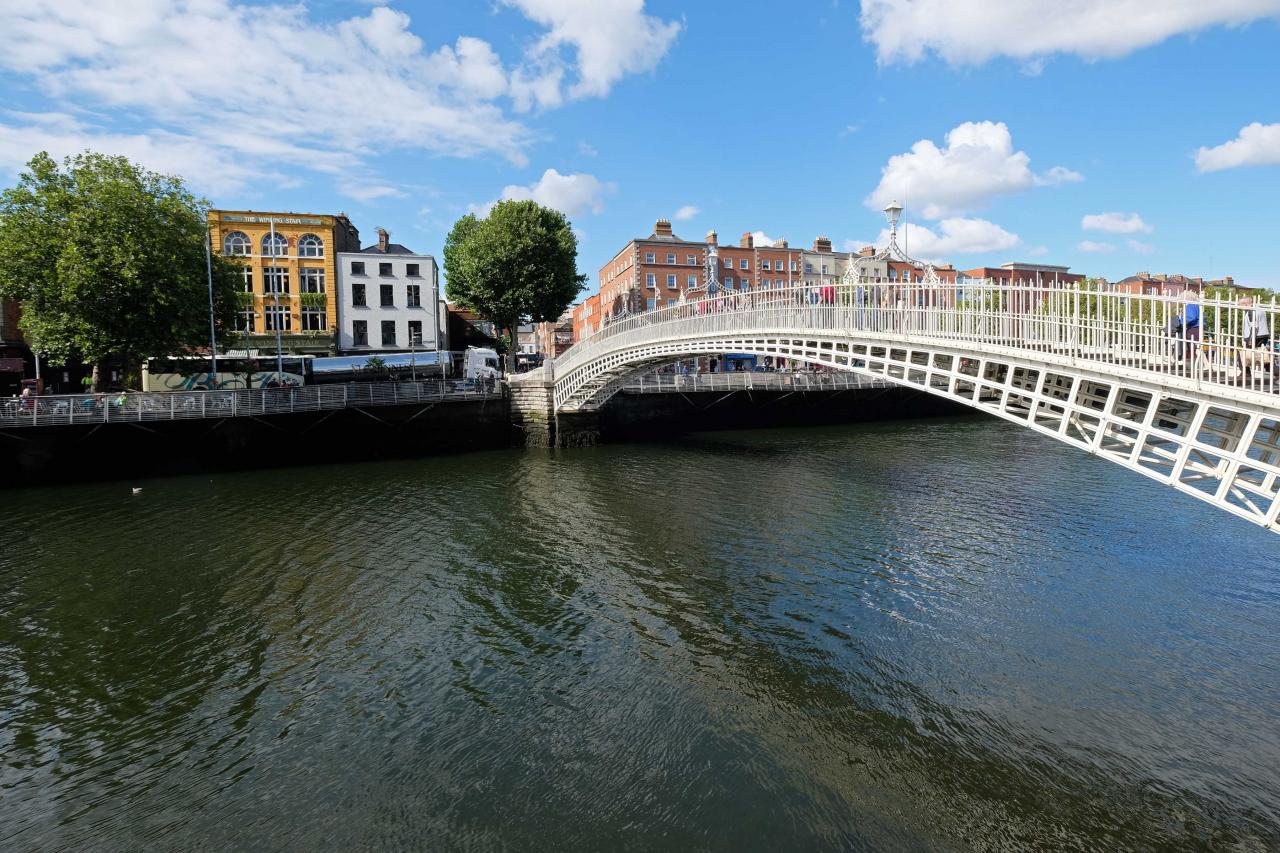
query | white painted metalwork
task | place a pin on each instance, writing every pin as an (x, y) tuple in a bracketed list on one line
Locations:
[(171, 406), (1102, 371), (750, 380)]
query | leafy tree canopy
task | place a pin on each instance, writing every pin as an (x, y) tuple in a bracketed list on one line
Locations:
[(516, 265), (108, 258)]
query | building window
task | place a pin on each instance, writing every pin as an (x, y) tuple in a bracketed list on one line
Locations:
[(650, 280), (246, 321), (278, 317), (388, 333), (310, 280), (652, 303), (385, 269), (671, 280), (236, 243), (824, 269), (415, 333), (247, 273), (728, 263), (357, 267), (743, 264), (764, 265), (414, 298), (275, 280), (728, 282), (314, 319), (808, 267), (693, 281), (671, 259), (360, 333), (650, 257), (357, 295), (310, 246), (411, 270), (387, 296), (276, 246), (692, 260)]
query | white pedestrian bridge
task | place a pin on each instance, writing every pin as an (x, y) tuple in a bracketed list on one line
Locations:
[(1108, 373)]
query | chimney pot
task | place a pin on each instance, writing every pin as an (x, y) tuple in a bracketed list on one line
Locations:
[(383, 239), (662, 227), (747, 241)]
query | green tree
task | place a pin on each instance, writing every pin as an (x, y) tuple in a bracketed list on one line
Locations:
[(108, 259), (516, 265)]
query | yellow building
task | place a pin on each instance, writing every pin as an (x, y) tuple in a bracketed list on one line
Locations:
[(290, 276)]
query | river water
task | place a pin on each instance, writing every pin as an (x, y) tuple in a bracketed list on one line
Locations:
[(930, 635)]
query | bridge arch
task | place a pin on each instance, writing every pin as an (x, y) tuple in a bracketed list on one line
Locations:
[(1214, 442)]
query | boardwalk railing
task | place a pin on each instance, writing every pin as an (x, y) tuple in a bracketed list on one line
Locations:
[(783, 380), (170, 406), (1232, 345)]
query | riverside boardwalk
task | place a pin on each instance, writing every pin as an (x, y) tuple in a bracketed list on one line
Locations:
[(142, 407)]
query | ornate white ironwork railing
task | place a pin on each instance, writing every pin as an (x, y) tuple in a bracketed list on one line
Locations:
[(178, 405), (1232, 345), (788, 380)]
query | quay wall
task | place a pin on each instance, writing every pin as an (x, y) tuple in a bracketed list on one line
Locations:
[(67, 453)]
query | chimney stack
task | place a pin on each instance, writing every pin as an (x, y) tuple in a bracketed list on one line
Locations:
[(782, 243), (822, 244), (747, 241), (662, 228), (383, 239), (713, 239)]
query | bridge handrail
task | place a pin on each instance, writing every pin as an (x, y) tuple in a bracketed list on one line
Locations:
[(1085, 323), (134, 407)]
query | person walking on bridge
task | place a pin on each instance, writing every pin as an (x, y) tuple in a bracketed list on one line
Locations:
[(1190, 324), (1255, 339)]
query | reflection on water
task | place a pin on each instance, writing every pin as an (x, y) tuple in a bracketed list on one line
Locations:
[(932, 635)]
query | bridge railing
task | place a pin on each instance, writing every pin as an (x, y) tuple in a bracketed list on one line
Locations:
[(749, 380), (1232, 345), (178, 405)]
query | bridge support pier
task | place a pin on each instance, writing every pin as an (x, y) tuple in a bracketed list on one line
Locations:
[(534, 418)]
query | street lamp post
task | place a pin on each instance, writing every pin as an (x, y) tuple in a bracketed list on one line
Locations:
[(275, 292), (213, 336)]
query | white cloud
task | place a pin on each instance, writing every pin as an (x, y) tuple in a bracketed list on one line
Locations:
[(1257, 145), (1140, 247), (1115, 223), (973, 31), (955, 236), (977, 164), (368, 192), (760, 239), (1095, 247), (609, 39), (569, 194), (586, 150), (265, 88), (687, 212), (1036, 251)]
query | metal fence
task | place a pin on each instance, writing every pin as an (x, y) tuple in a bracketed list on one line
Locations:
[(170, 406), (1233, 344), (782, 380)]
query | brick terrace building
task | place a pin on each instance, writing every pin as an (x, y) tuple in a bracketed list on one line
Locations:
[(1162, 284), (1045, 275)]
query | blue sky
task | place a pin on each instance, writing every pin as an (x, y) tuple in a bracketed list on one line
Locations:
[(1108, 135)]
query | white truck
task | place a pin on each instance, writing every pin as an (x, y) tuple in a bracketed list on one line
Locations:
[(480, 363)]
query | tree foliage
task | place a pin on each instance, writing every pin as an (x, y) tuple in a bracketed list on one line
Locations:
[(516, 265), (108, 259)]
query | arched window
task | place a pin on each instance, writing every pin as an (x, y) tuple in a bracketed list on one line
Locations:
[(281, 246), (236, 243), (310, 246)]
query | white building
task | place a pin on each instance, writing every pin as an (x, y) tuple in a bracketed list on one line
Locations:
[(388, 299)]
